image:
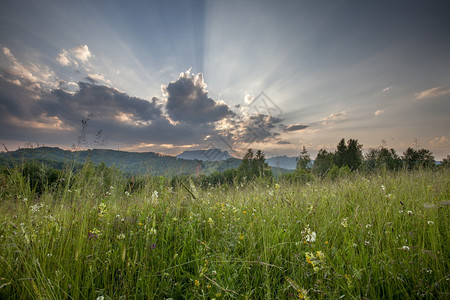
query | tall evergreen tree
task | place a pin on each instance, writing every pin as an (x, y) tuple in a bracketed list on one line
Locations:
[(304, 160), (323, 163)]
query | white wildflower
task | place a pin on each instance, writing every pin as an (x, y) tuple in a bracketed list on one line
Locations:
[(430, 223), (154, 196)]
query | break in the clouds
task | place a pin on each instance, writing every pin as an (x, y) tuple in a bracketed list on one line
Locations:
[(379, 112)]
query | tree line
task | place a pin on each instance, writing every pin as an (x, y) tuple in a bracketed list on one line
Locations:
[(348, 157)]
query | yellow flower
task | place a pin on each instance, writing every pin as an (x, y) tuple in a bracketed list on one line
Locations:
[(241, 237), (196, 282)]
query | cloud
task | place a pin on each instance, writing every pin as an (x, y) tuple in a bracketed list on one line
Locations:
[(439, 142), (386, 89), (73, 56), (95, 78), (283, 143), (30, 75), (188, 101), (33, 109), (82, 53), (379, 112), (431, 93), (334, 117), (295, 127), (56, 117), (63, 58)]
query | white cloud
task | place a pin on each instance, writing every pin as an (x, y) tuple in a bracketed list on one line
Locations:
[(431, 93), (99, 77), (439, 142), (334, 117), (379, 112), (63, 58), (386, 89), (32, 74), (82, 53)]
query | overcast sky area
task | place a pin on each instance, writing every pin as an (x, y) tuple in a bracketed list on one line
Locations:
[(168, 76)]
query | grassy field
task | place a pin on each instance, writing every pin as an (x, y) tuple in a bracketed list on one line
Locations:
[(359, 237)]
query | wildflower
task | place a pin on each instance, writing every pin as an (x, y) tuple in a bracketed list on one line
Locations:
[(367, 243), (218, 295), (100, 298), (383, 187), (308, 235), (211, 222), (140, 224), (430, 223), (303, 294), (326, 242), (277, 186), (245, 212), (320, 255), (368, 226), (127, 194), (153, 246), (208, 286), (196, 282), (315, 261), (405, 248), (102, 210), (154, 196), (152, 231), (410, 213), (241, 237), (344, 222), (400, 211), (121, 237), (94, 233)]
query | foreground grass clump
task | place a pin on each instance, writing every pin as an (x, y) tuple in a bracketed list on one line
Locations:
[(95, 236)]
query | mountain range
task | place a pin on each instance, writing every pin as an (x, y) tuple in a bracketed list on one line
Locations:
[(188, 162)]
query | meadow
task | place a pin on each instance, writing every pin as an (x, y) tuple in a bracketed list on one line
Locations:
[(98, 235)]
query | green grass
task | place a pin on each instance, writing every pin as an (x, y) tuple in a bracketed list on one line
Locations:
[(370, 237)]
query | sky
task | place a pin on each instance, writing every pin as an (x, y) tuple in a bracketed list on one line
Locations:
[(169, 76)]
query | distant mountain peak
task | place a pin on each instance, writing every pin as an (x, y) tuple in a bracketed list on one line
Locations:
[(214, 154)]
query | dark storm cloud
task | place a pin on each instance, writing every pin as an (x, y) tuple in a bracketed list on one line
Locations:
[(295, 127), (104, 102), (283, 143), (57, 114), (188, 101), (255, 128)]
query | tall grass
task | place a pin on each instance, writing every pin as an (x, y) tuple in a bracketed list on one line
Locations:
[(92, 236)]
